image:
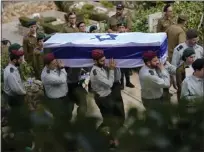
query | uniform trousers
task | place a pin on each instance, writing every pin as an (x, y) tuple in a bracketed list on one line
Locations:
[(149, 103), (19, 115), (125, 72), (77, 94), (61, 108), (112, 109)]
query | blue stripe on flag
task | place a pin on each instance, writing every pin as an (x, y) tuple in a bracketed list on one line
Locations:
[(133, 52)]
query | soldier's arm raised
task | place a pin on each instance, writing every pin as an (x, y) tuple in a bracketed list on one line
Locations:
[(160, 82), (53, 79), (15, 86), (103, 80), (170, 68)]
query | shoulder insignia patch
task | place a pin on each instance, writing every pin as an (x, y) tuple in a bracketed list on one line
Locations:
[(94, 72), (48, 71), (11, 70), (179, 48), (151, 72)]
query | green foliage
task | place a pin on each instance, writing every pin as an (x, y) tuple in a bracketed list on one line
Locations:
[(87, 7), (49, 28), (26, 71), (4, 57), (192, 9), (25, 20), (107, 4)]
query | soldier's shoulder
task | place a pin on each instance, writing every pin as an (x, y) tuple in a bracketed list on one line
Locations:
[(11, 70), (198, 47), (181, 67), (180, 47)]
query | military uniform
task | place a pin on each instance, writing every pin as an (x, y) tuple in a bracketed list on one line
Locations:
[(176, 35), (192, 88), (152, 84), (77, 94), (178, 52), (102, 82), (15, 92), (29, 44), (67, 28), (56, 90), (38, 63), (164, 23), (120, 19), (180, 76)]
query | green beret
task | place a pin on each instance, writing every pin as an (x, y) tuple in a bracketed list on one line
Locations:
[(187, 52), (40, 37), (14, 46), (32, 23)]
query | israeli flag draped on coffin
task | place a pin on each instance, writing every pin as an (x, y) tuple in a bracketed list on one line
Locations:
[(74, 49)]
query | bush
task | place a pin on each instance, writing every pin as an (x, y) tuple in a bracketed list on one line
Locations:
[(49, 28), (107, 4), (25, 20), (192, 9)]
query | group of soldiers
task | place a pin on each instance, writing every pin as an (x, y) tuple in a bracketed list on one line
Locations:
[(61, 84)]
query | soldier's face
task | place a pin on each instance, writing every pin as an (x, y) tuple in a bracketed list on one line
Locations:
[(121, 29), (119, 11), (82, 27), (154, 62), (169, 11), (101, 62), (201, 73), (53, 64), (33, 28), (193, 41), (190, 59), (40, 42), (18, 62), (72, 19)]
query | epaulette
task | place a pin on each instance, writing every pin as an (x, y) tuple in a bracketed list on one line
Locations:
[(180, 47), (11, 70), (94, 72), (48, 71), (151, 72)]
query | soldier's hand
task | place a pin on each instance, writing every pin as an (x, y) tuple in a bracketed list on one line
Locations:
[(60, 64), (160, 66), (112, 64)]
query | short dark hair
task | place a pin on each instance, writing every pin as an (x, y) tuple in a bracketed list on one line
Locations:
[(180, 21), (13, 57), (198, 64), (71, 13), (191, 33), (78, 25), (166, 7)]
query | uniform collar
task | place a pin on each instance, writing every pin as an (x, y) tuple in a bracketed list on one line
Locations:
[(69, 25), (13, 66), (196, 78)]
